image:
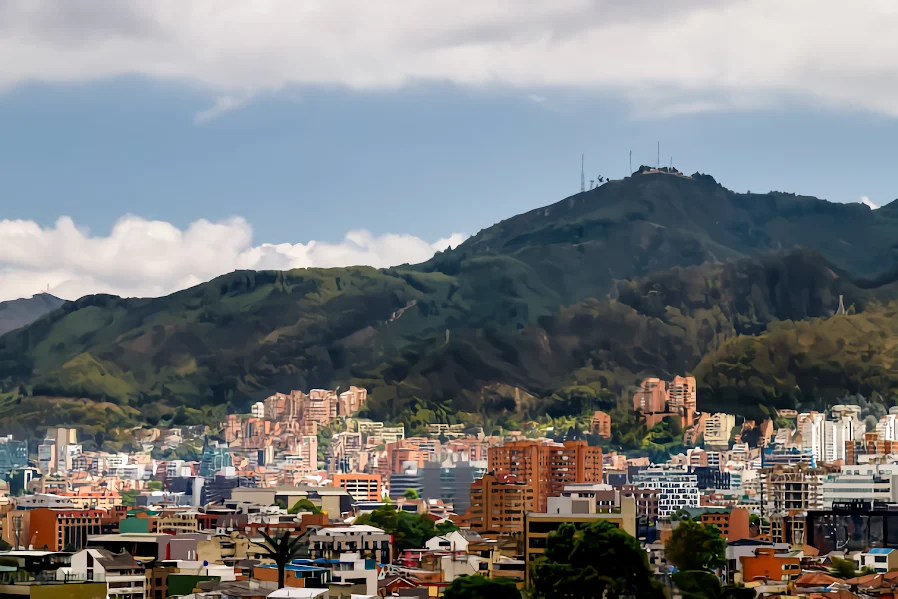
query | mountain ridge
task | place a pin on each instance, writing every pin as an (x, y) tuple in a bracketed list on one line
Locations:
[(647, 275)]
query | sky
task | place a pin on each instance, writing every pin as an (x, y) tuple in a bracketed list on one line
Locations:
[(149, 146)]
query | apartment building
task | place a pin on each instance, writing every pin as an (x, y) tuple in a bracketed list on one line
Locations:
[(601, 424), (547, 466), (677, 487), (362, 487), (717, 429), (826, 438), (656, 399), (871, 447), (500, 503)]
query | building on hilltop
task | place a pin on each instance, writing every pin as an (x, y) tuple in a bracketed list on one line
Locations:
[(656, 399)]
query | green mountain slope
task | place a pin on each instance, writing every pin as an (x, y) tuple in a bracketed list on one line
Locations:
[(556, 310), (649, 222)]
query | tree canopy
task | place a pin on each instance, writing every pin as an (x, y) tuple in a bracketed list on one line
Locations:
[(304, 505), (480, 587), (593, 560), (410, 531), (695, 546)]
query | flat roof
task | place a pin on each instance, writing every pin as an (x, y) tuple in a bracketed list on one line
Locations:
[(31, 553), (130, 536)]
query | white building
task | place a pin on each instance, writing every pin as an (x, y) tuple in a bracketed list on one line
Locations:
[(824, 438), (867, 482), (124, 578), (331, 542), (678, 489), (48, 500), (887, 427), (718, 428), (258, 409)]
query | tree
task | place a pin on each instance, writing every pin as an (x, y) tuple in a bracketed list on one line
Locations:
[(846, 568), (304, 505), (698, 584), (479, 587), (155, 485), (282, 550), (591, 561), (410, 531), (695, 546), (411, 494)]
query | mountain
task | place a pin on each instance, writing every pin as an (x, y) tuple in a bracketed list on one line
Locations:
[(647, 222), (554, 311), (18, 313)]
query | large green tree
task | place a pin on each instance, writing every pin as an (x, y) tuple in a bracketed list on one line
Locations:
[(480, 587), (410, 531), (592, 561), (695, 546)]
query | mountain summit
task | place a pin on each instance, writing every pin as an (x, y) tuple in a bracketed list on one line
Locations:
[(557, 310)]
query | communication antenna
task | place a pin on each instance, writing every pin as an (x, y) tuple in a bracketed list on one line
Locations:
[(582, 176), (591, 181)]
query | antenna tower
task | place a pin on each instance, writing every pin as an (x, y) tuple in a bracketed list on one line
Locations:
[(841, 310), (582, 176)]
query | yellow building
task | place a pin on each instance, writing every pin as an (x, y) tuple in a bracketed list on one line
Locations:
[(538, 526)]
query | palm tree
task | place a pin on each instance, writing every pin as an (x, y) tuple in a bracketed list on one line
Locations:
[(282, 550)]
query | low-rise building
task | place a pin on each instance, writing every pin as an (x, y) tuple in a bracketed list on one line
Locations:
[(367, 541), (124, 577)]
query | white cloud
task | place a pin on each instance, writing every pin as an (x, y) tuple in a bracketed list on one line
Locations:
[(866, 202), (672, 57), (222, 105), (153, 258)]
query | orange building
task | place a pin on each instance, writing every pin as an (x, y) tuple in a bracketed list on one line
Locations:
[(64, 530), (731, 522), (870, 445), (601, 424), (362, 487), (499, 504), (657, 399), (547, 466), (766, 564)]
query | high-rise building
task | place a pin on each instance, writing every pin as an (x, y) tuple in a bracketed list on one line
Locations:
[(500, 504), (362, 487), (717, 429), (870, 447), (787, 493), (601, 424), (825, 439), (682, 397), (656, 399), (547, 466), (678, 488)]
